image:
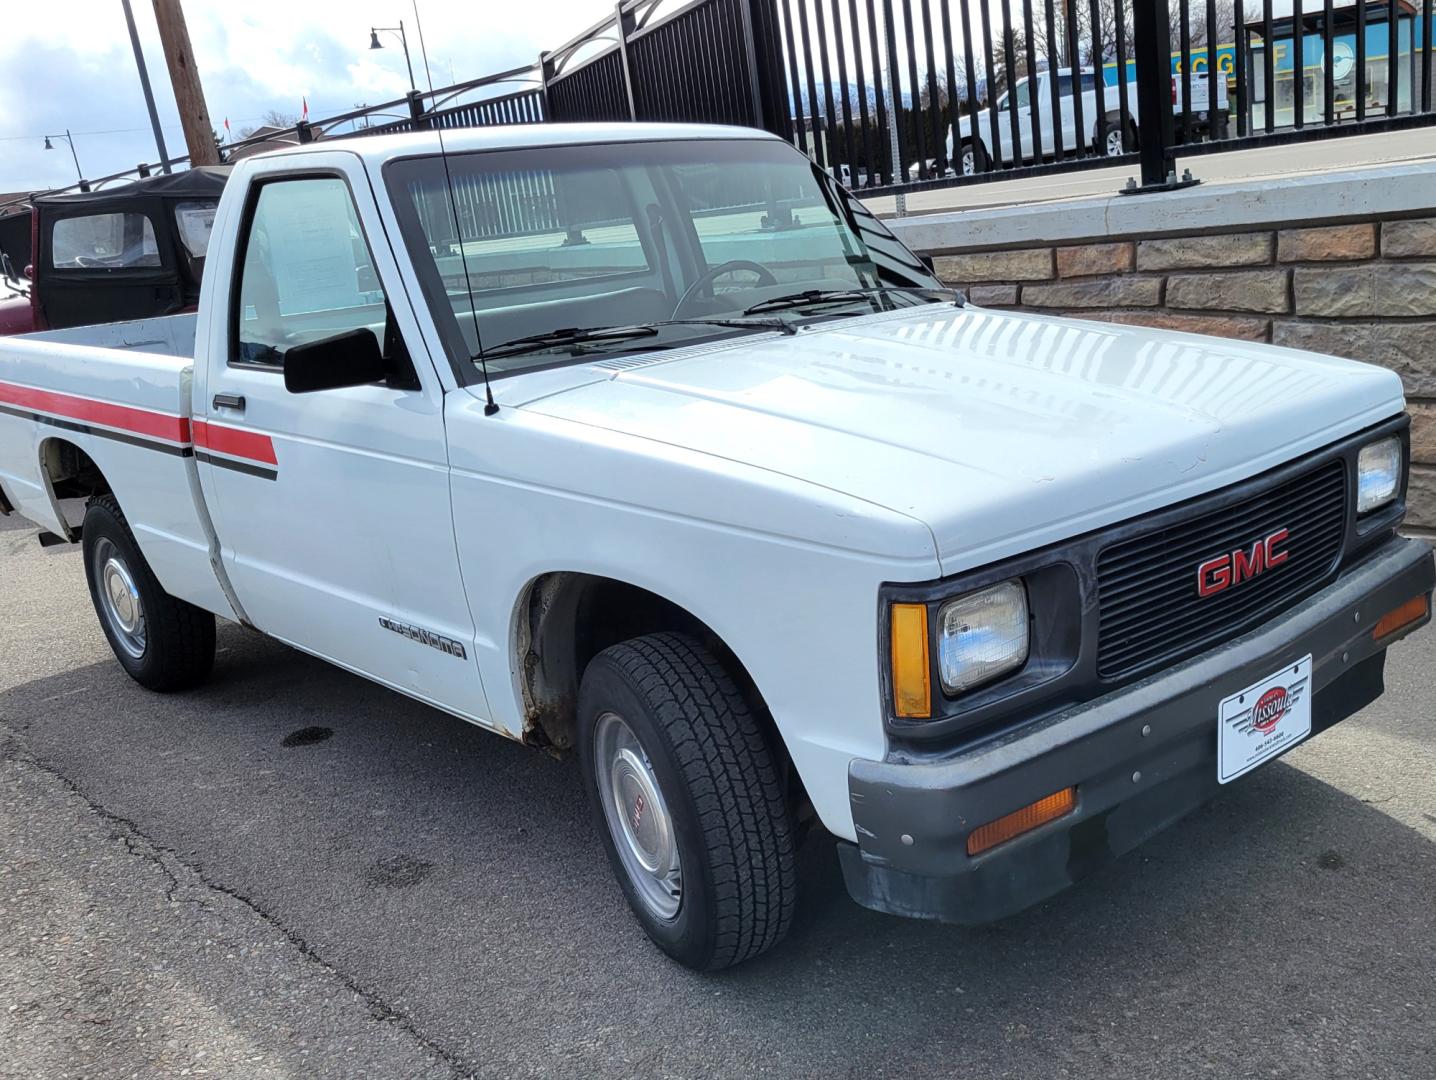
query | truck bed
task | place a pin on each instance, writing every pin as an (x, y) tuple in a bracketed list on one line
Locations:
[(116, 396), (171, 336)]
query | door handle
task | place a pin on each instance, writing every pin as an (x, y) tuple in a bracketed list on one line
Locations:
[(229, 401)]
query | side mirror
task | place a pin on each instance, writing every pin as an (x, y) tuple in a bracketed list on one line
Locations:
[(352, 358), (30, 272)]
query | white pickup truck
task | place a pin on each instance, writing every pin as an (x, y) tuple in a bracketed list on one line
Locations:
[(651, 443), (1028, 109)]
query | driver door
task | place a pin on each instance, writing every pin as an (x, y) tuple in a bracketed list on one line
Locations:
[(332, 507)]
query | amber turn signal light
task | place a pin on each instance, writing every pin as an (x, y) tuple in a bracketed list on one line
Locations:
[(985, 837), (911, 663), (1399, 618)]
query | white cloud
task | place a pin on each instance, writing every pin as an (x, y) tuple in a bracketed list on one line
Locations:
[(69, 65)]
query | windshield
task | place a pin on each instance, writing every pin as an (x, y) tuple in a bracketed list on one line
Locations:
[(1023, 98), (602, 235)]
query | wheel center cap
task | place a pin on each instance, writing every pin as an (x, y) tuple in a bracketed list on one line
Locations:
[(122, 599)]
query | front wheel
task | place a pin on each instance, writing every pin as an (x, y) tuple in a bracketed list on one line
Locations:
[(689, 800), (163, 642)]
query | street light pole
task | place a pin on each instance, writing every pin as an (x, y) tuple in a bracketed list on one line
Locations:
[(145, 86), (375, 43), (50, 146)]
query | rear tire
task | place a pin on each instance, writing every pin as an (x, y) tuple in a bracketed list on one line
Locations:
[(689, 800), (973, 159), (162, 642), (1120, 138)]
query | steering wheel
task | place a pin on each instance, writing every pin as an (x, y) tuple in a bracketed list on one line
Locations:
[(706, 280)]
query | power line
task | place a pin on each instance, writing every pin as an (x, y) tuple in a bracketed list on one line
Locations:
[(123, 131)]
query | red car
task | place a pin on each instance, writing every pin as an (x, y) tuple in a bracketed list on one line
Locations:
[(15, 314)]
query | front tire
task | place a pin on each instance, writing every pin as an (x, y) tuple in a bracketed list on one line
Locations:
[(162, 642), (689, 800)]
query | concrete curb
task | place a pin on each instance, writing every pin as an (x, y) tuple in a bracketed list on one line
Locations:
[(1265, 203)]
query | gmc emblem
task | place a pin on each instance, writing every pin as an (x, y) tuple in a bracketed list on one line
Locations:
[(1226, 570)]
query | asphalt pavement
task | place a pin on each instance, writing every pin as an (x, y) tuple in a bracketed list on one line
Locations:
[(294, 873)]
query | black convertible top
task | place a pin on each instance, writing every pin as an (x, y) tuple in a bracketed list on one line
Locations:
[(152, 271), (15, 235), (206, 181)]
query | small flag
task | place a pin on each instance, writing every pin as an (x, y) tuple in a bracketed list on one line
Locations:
[(306, 107), (227, 133)]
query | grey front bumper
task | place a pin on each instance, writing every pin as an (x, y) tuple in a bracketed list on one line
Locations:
[(1140, 758)]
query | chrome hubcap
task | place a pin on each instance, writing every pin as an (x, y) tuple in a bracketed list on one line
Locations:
[(119, 599), (637, 816)]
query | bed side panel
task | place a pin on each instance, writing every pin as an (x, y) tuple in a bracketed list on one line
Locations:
[(129, 411)]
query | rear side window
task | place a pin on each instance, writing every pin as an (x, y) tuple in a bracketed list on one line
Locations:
[(195, 220), (104, 242), (306, 272)]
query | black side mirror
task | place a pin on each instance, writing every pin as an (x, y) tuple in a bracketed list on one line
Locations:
[(352, 358)]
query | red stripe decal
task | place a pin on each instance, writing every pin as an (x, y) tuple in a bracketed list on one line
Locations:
[(235, 443), (139, 421)]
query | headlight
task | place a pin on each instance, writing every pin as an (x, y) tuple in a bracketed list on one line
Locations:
[(982, 635), (1378, 474)]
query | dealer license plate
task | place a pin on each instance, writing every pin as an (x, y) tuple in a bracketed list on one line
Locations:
[(1263, 720)]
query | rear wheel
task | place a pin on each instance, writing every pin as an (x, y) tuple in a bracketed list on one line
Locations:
[(974, 158), (689, 800), (163, 642), (1118, 138)]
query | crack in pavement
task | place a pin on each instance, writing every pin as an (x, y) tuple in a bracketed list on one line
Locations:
[(144, 847), (154, 855)]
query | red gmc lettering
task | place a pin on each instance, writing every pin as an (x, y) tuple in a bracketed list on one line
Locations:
[(1226, 570)]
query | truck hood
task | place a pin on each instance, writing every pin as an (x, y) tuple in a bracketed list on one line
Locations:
[(1000, 431)]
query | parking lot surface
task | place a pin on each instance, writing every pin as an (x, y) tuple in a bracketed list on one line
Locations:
[(292, 872)]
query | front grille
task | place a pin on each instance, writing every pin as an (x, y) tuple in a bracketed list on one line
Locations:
[(1149, 611)]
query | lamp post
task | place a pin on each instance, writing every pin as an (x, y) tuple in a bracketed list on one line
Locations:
[(50, 146), (375, 43)]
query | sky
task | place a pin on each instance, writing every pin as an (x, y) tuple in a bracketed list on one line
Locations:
[(67, 64)]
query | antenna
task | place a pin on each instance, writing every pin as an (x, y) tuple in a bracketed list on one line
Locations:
[(490, 405)]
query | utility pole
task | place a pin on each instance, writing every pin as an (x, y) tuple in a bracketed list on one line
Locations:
[(145, 86), (184, 77)]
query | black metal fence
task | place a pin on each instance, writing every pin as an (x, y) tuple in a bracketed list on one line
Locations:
[(927, 92), (904, 94)]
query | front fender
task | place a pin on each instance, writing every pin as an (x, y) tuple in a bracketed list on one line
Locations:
[(533, 495)]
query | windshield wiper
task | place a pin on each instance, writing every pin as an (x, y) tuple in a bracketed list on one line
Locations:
[(570, 335), (812, 297), (578, 336)]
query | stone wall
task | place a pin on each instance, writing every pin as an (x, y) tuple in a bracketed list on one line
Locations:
[(1357, 286)]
